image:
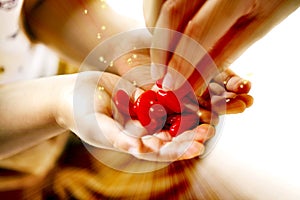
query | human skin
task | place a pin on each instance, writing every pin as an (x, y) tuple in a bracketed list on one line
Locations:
[(44, 22), (49, 100), (225, 29)]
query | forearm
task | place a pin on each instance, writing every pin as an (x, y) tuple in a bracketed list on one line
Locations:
[(74, 28), (29, 113)]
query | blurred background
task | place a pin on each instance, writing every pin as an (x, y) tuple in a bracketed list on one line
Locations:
[(257, 152)]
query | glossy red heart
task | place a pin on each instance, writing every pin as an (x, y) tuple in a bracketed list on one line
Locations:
[(182, 123), (157, 110), (150, 112), (124, 103), (142, 106), (169, 100)]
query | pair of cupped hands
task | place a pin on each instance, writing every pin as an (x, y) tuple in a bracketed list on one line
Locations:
[(97, 121)]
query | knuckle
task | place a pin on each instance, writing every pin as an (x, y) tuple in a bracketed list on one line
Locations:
[(192, 27), (171, 7), (132, 145)]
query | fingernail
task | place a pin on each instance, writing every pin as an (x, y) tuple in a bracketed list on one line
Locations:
[(202, 150), (157, 71), (210, 133), (205, 133), (238, 85)]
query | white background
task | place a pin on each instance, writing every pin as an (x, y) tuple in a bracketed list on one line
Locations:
[(259, 149)]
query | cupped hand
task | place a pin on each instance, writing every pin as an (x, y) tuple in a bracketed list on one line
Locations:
[(89, 112), (96, 122)]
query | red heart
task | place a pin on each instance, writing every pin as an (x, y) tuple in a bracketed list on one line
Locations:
[(157, 111), (182, 123), (169, 100), (124, 103)]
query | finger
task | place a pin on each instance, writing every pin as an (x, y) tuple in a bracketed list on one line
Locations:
[(173, 151), (231, 105), (238, 85), (223, 104), (164, 136), (204, 103), (232, 82), (208, 117), (174, 15), (210, 23), (204, 132), (153, 143), (215, 18), (205, 114), (125, 141), (229, 95), (151, 11), (247, 99), (185, 146), (159, 150), (102, 100), (205, 99), (196, 149), (201, 134), (117, 115), (225, 75), (128, 139), (105, 132), (135, 128), (110, 82), (216, 89), (235, 106)]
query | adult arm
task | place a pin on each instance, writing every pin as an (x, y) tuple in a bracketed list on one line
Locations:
[(28, 112)]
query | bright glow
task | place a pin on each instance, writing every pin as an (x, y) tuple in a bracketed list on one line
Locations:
[(130, 8), (263, 142)]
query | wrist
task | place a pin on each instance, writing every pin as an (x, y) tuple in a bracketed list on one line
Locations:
[(63, 107)]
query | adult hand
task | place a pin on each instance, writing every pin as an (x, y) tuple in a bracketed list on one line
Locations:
[(87, 110), (113, 135), (223, 28), (226, 93)]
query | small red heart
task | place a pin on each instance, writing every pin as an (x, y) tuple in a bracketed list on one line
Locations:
[(150, 113), (154, 126), (169, 100), (158, 110), (142, 106), (182, 123), (124, 103)]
